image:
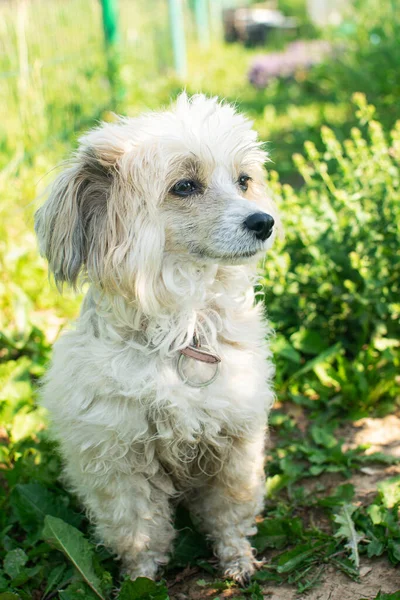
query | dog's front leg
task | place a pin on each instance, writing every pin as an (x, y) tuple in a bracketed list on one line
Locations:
[(132, 514), (228, 505)]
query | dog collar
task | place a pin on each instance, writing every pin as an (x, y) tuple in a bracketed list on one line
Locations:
[(202, 354)]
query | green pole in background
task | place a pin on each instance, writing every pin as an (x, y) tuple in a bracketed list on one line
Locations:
[(177, 25), (202, 22), (111, 37), (110, 21)]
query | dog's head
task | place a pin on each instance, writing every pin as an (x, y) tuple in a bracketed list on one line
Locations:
[(187, 183)]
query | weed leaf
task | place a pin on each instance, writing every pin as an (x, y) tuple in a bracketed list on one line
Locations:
[(328, 354), (54, 578), (277, 533), (390, 491), (32, 502), (14, 562), (78, 590), (293, 559), (348, 531), (143, 589), (76, 548), (3, 582)]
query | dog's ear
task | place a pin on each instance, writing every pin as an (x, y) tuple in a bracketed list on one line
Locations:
[(76, 208)]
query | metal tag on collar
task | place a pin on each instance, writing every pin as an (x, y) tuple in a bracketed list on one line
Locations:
[(196, 384), (202, 354)]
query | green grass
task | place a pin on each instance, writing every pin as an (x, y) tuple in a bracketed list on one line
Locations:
[(331, 290)]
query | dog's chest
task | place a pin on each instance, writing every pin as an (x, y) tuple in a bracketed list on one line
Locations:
[(238, 395), (190, 461), (196, 428)]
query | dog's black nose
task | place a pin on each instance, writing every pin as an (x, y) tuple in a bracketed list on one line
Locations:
[(261, 223)]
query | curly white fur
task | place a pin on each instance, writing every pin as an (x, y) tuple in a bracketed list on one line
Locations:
[(135, 437)]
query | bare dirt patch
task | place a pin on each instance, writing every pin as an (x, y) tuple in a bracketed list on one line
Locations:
[(377, 575), (382, 435)]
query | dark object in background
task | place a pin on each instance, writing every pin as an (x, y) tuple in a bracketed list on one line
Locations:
[(252, 25), (298, 56)]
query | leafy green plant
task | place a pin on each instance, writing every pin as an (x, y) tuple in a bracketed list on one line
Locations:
[(332, 290)]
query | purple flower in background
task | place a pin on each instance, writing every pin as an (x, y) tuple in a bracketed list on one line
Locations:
[(298, 55)]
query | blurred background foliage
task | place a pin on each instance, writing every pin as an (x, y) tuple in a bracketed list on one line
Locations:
[(331, 287)]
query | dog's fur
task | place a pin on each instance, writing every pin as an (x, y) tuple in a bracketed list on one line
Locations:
[(136, 438)]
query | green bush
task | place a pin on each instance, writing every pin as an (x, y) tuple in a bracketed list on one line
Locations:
[(332, 291), (369, 58)]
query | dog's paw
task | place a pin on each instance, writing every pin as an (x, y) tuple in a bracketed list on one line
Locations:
[(241, 569), (145, 568)]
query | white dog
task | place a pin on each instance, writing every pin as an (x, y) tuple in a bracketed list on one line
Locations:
[(161, 392)]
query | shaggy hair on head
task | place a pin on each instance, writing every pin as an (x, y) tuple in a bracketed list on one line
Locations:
[(164, 217)]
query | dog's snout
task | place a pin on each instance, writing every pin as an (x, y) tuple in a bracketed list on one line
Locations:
[(261, 224)]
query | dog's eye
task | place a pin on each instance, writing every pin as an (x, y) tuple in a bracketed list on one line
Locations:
[(243, 182), (185, 187)]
